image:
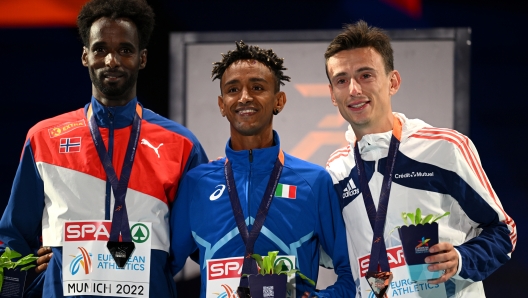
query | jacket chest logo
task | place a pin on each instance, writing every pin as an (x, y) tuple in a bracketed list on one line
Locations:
[(65, 128), (147, 143), (217, 193)]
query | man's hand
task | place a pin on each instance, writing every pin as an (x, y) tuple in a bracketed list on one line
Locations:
[(445, 258), (45, 255)]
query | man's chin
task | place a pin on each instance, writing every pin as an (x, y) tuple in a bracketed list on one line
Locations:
[(112, 91)]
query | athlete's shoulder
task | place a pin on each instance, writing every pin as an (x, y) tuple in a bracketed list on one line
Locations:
[(444, 138), (310, 172), (155, 119), (205, 170), (59, 124), (340, 155), (298, 164)]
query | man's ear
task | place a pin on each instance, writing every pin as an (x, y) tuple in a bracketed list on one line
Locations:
[(221, 105), (143, 59), (281, 101), (332, 97), (395, 82), (84, 57)]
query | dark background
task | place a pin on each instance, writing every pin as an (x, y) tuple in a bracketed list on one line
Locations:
[(41, 76)]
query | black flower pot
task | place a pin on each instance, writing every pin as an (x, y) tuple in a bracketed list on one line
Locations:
[(416, 241), (268, 286), (13, 285)]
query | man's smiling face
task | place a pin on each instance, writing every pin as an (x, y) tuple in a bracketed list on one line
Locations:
[(248, 98)]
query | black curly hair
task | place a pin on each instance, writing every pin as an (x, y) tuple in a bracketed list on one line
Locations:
[(138, 11), (243, 52)]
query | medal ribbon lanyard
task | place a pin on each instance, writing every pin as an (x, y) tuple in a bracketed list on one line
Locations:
[(378, 252), (119, 185), (250, 238)]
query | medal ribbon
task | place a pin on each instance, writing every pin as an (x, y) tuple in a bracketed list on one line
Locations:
[(378, 251), (250, 238), (120, 223)]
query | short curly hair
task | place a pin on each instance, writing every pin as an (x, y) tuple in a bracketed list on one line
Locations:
[(138, 11), (243, 52)]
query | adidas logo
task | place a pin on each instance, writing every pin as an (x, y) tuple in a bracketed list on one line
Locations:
[(413, 175), (350, 190)]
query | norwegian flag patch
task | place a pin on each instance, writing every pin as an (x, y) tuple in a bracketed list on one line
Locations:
[(70, 145)]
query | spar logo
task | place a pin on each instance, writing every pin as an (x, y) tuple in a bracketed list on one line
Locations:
[(422, 247), (395, 255), (100, 231), (413, 175), (225, 268), (83, 260), (287, 262)]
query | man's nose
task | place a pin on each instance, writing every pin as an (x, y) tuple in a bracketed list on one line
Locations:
[(112, 60), (246, 97), (354, 88)]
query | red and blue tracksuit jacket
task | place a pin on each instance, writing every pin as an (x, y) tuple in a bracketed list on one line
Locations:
[(60, 177)]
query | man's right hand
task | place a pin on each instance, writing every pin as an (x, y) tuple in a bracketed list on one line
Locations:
[(44, 253)]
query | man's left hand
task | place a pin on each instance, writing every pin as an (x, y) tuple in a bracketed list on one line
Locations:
[(44, 254), (445, 258)]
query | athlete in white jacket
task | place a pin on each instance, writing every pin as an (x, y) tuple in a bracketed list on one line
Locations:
[(437, 170)]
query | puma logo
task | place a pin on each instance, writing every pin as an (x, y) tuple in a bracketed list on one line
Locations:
[(145, 142)]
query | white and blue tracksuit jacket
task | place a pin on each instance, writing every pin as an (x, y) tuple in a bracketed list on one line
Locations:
[(436, 170)]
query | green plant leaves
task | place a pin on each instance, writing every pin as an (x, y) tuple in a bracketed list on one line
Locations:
[(440, 216), (6, 261), (417, 218), (427, 218), (266, 266), (404, 217), (411, 217)]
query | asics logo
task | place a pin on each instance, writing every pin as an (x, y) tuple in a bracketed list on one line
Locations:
[(217, 193), (145, 142)]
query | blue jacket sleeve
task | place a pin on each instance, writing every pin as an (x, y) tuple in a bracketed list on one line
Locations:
[(20, 226), (332, 236), (182, 241), (196, 157), (497, 234), (485, 253)]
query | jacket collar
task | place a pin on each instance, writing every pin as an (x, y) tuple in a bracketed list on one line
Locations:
[(120, 117), (263, 159)]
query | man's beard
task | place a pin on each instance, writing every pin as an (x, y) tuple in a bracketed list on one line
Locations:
[(113, 90)]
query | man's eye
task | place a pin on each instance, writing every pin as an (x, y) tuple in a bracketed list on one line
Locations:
[(232, 90), (126, 51), (98, 50), (258, 88), (341, 81), (366, 75)]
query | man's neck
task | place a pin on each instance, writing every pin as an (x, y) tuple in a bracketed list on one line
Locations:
[(240, 142), (113, 101), (382, 126)]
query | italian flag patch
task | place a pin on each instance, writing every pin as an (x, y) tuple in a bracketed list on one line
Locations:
[(286, 191)]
